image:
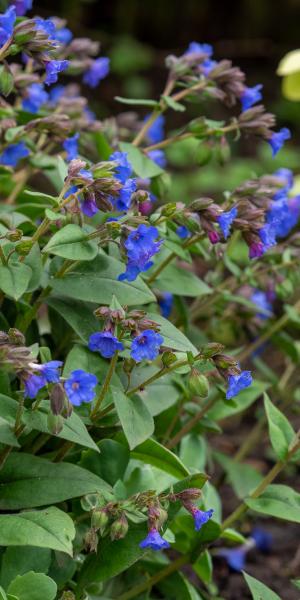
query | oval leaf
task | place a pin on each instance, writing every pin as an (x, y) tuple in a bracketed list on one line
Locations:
[(71, 242)]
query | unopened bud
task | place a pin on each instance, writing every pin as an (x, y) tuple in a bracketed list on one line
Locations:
[(140, 196), (189, 495), (211, 350), (15, 235), (24, 247), (91, 541), (68, 596), (6, 80), (203, 154), (157, 516), (16, 337), (222, 152), (100, 519), (57, 399), (119, 528), (198, 384), (168, 358), (55, 423), (169, 209)]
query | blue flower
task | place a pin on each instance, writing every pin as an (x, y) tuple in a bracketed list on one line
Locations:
[(155, 132), (50, 370), (89, 206), (13, 154), (36, 97), (250, 96), (124, 198), (183, 232), (278, 138), (263, 539), (80, 387), (140, 246), (159, 157), (208, 65), (63, 35), (201, 517), (146, 345), (287, 178), (237, 383), (53, 67), (47, 26), (195, 48), (7, 21), (154, 541), (235, 557), (105, 343), (267, 235), (98, 70), (166, 304), (226, 219), (33, 384), (22, 6), (123, 168), (261, 300), (56, 93), (70, 145)]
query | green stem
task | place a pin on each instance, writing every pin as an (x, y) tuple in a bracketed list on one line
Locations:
[(193, 240), (2, 256), (105, 386), (148, 584), (160, 373)]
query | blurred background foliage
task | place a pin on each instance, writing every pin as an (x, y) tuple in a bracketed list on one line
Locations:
[(137, 35)]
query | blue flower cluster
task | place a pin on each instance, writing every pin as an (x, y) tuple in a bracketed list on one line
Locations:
[(140, 245), (145, 346)]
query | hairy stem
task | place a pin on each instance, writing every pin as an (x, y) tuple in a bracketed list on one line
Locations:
[(186, 428), (105, 386)]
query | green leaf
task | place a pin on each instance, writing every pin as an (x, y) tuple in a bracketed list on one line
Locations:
[(173, 104), (222, 410), (136, 420), (89, 361), (291, 86), (46, 198), (112, 559), (73, 429), (259, 590), (97, 281), (33, 586), (137, 102), (280, 431), (243, 478), (27, 481), (233, 536), (17, 562), (7, 435), (184, 283), (49, 528), (278, 501), (203, 567), (34, 261), (14, 279), (3, 595), (173, 337), (77, 314), (112, 462), (143, 166), (153, 453), (71, 242)]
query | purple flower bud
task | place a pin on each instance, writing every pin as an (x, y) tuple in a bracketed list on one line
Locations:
[(89, 206), (154, 541), (146, 345), (250, 96), (278, 138), (80, 387), (105, 343), (237, 383), (256, 249), (98, 70), (213, 236)]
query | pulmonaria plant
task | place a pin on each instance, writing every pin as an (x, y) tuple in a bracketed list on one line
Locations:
[(116, 303)]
